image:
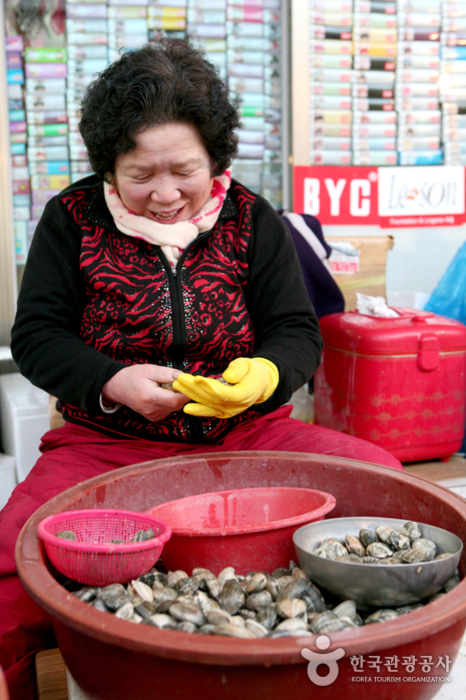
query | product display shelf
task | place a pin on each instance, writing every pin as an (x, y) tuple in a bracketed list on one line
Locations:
[(376, 82)]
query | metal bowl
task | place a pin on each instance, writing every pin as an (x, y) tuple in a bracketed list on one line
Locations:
[(375, 584)]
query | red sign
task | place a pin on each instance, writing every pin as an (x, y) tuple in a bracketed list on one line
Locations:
[(389, 197)]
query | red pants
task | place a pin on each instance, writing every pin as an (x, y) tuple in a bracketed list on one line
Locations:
[(72, 454)]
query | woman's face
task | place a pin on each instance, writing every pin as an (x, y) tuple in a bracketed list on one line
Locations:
[(168, 176)]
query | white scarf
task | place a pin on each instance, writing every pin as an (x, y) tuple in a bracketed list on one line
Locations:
[(172, 238)]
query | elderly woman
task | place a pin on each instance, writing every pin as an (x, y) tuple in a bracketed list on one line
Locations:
[(144, 285)]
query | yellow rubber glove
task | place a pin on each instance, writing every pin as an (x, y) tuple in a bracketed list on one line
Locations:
[(249, 380)]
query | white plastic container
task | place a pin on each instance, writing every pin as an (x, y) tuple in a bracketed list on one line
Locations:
[(24, 419), (7, 478)]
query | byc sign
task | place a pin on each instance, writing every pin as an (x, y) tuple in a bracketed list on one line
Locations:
[(386, 197)]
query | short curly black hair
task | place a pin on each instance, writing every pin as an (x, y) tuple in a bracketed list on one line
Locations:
[(165, 81)]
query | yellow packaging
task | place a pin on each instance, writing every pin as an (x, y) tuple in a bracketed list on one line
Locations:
[(358, 264), (364, 48)]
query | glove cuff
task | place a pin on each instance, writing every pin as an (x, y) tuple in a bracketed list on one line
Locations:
[(273, 377)]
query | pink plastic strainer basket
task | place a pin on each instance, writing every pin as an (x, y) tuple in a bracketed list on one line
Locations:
[(92, 559)]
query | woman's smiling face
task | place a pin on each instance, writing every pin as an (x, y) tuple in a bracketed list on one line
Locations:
[(168, 176)]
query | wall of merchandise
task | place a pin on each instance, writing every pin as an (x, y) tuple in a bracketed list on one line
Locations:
[(387, 82), (45, 86)]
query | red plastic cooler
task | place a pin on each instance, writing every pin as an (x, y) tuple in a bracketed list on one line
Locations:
[(397, 382)]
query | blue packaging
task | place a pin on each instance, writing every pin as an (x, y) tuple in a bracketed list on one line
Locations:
[(17, 149), (453, 52), (49, 167), (17, 115), (420, 157), (15, 104), (15, 75), (21, 200)]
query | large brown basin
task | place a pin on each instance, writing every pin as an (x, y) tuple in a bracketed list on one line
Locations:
[(117, 660)]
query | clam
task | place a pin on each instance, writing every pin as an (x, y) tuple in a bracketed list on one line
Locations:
[(184, 612), (335, 549), (328, 622), (413, 556), (371, 560), (295, 589), (256, 628), (143, 590), (399, 541), (125, 612), (346, 609), (256, 583), (87, 594), (411, 530), (186, 626), (350, 558), (258, 600), (115, 602), (314, 599), (367, 537), (267, 616), (218, 617), (237, 620), (291, 624), (355, 546), (429, 547), (379, 550), (384, 532), (175, 576), (291, 607), (214, 587), (162, 621), (143, 610), (67, 535), (233, 631), (143, 535), (232, 596), (226, 574), (381, 615), (299, 573), (450, 584)]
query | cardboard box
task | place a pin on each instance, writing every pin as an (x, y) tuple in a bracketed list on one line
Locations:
[(358, 264)]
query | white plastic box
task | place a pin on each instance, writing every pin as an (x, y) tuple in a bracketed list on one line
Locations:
[(24, 419), (7, 478)]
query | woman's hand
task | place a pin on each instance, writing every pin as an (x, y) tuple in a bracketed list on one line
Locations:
[(138, 387), (249, 381)]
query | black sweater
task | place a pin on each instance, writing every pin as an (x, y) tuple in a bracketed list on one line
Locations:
[(93, 300)]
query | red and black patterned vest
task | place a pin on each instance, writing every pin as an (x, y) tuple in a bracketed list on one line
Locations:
[(139, 310)]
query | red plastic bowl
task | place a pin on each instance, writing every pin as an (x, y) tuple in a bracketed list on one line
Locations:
[(249, 529), (92, 559), (114, 659)]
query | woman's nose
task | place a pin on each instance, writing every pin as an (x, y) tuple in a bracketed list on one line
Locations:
[(165, 191)]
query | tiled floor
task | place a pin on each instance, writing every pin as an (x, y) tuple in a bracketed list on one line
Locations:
[(451, 474)]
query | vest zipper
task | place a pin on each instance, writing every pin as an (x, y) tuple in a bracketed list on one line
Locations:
[(179, 329)]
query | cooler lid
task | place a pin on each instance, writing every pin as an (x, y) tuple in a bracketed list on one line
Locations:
[(351, 330)]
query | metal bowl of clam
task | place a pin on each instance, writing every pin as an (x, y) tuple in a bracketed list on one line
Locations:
[(379, 562)]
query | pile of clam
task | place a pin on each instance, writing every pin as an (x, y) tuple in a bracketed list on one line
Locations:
[(384, 546), (282, 604)]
